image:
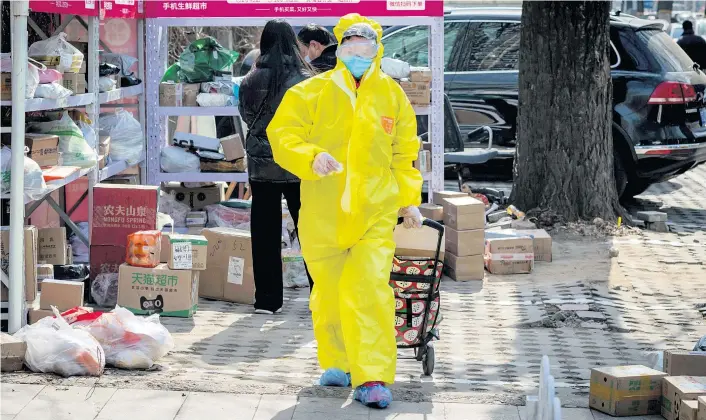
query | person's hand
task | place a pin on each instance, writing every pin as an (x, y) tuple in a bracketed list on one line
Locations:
[(325, 164), (412, 217)]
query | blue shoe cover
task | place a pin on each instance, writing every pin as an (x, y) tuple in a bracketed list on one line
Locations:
[(335, 377), (374, 395)]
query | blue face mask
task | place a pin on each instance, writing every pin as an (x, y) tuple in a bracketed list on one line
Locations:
[(357, 65)]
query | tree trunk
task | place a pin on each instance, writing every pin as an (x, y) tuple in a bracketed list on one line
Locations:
[(564, 155)]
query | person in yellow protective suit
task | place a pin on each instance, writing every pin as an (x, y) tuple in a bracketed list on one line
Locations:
[(350, 135)]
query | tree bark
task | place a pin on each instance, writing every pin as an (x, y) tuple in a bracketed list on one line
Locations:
[(564, 154)]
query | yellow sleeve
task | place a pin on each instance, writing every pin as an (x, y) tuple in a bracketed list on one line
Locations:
[(287, 133), (405, 150)]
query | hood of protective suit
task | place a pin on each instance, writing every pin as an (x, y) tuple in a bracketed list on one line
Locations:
[(351, 19)]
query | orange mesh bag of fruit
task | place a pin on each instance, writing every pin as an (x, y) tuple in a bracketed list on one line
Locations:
[(144, 248)]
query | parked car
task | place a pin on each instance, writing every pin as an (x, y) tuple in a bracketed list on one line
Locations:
[(659, 107)]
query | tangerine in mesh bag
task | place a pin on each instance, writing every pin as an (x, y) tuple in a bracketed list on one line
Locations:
[(144, 248)]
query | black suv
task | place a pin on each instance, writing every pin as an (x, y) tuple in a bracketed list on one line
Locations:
[(659, 108)]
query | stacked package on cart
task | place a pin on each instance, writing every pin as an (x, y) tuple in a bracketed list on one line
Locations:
[(195, 153), (464, 218)]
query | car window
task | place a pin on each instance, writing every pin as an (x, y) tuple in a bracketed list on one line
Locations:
[(412, 44), (487, 46), (613, 56), (652, 50)]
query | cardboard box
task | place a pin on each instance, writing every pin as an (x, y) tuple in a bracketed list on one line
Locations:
[(675, 389), (197, 244), (63, 294), (509, 255), (542, 243), (420, 74), (432, 211), (30, 240), (689, 410), (171, 94), (229, 271), (626, 390), (119, 210), (6, 86), (43, 148), (702, 409), (106, 259), (191, 91), (418, 93), (12, 353), (194, 141), (37, 314), (158, 290), (74, 82), (466, 268), (232, 147), (681, 362), (197, 198), (44, 272), (81, 87), (418, 242), (422, 162), (52, 246), (441, 196), (464, 243), (464, 213)]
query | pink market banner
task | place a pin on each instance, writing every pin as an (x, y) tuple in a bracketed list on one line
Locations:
[(66, 7), (301, 8), (122, 9)]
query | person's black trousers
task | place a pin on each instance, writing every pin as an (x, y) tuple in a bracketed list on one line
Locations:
[(266, 230)]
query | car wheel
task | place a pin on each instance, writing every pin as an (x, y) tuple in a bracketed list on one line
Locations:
[(635, 187), (621, 175)]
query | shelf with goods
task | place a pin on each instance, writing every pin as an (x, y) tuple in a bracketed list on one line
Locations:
[(56, 184), (218, 13), (121, 93), (42, 104)]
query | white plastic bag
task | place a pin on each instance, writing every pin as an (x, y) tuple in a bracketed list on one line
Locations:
[(127, 140), (223, 216), (89, 134), (397, 69), (54, 347), (104, 289), (215, 99), (178, 210), (130, 342), (52, 91), (106, 84), (175, 159), (293, 268), (72, 146), (70, 58), (32, 79), (34, 184)]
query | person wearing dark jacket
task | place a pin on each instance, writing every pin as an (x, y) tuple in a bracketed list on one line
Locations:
[(279, 67), (694, 45), (318, 47)]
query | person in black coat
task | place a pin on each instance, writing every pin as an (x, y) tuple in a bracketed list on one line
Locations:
[(279, 67), (318, 47), (694, 45)]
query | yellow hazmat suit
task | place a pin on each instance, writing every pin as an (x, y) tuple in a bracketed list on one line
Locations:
[(347, 220)]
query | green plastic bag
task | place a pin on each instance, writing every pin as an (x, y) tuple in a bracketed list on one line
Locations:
[(172, 74), (202, 59)]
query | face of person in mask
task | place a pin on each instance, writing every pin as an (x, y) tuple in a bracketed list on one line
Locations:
[(357, 53), (312, 51)]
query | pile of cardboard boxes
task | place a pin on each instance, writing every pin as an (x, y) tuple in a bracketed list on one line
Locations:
[(418, 86), (678, 393), (464, 218)]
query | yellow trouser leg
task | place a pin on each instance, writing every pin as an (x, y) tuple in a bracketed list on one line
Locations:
[(325, 312)]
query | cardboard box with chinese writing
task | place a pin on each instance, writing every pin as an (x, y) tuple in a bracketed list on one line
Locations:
[(158, 290), (689, 410), (229, 272), (197, 198), (464, 213), (197, 244), (702, 408), (509, 255), (417, 242), (119, 210), (678, 388), (464, 268), (542, 243), (52, 246), (626, 390), (464, 243), (75, 82), (63, 294), (683, 362), (106, 259), (43, 148), (420, 74), (30, 250), (418, 93)]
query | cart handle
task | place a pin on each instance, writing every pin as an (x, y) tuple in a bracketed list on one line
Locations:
[(426, 222)]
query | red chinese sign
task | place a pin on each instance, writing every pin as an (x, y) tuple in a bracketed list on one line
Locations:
[(125, 9), (66, 7), (300, 8)]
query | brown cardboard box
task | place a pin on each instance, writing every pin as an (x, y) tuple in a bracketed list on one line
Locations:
[(232, 147), (197, 198), (158, 290), (422, 164), (119, 210), (509, 255), (689, 410), (63, 294), (542, 243), (626, 390), (464, 213), (441, 196), (418, 93), (420, 74), (37, 314), (81, 87), (418, 242), (432, 211), (191, 91), (6, 86), (199, 249), (464, 268), (44, 272), (73, 82), (171, 94), (43, 148), (702, 409), (229, 272), (681, 362), (464, 243), (30, 251), (52, 246), (678, 388), (12, 353)]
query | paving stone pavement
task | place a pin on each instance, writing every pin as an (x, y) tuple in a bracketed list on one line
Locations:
[(494, 332), (39, 402)]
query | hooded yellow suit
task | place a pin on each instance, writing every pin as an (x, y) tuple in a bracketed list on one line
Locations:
[(347, 220)]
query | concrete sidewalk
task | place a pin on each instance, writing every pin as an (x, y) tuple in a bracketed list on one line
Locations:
[(39, 402)]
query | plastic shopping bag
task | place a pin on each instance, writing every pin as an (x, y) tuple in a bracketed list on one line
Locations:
[(293, 267), (203, 58), (104, 289), (122, 61), (33, 75), (106, 84), (130, 342), (215, 99), (222, 216), (72, 145), (397, 69), (57, 48), (53, 346), (127, 140), (52, 90), (34, 184), (175, 159)]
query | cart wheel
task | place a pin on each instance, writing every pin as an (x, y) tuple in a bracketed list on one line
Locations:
[(428, 361)]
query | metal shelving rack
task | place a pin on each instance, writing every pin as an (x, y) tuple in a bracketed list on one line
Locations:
[(158, 42)]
